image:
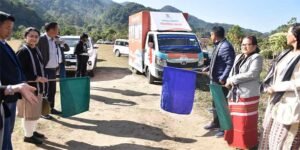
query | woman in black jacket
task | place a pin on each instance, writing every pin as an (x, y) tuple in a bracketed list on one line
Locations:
[(32, 63), (82, 55)]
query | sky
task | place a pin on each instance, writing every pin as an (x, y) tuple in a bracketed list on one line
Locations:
[(260, 15)]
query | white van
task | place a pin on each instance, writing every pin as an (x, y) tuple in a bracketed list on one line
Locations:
[(71, 59), (121, 47)]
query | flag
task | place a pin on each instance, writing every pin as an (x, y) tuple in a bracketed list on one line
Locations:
[(178, 90), (74, 95), (221, 106)]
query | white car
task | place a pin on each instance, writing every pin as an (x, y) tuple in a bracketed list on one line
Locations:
[(70, 57), (121, 47)]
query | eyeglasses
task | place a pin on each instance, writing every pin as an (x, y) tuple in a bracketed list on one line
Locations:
[(246, 44)]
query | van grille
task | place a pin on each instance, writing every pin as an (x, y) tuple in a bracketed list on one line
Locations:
[(179, 65)]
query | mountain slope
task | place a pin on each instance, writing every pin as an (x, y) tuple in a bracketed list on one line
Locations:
[(99, 16), (24, 15), (203, 26), (75, 12)]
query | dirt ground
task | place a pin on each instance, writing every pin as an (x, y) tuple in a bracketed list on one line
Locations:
[(124, 114)]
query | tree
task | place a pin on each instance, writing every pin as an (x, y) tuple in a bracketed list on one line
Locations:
[(278, 42), (19, 33), (235, 35), (68, 30), (292, 21)]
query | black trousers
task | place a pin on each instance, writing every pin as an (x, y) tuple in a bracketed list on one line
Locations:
[(81, 65), (216, 119), (51, 86)]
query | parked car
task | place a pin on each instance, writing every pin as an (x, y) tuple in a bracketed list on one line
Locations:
[(121, 47), (71, 57), (100, 41), (108, 42)]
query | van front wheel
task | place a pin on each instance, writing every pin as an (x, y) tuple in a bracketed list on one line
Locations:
[(117, 53)]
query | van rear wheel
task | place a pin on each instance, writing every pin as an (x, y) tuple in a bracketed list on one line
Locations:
[(150, 78), (117, 53)]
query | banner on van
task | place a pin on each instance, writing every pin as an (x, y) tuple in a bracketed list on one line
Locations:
[(162, 21)]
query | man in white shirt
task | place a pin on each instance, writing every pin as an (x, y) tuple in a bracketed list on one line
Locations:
[(51, 56)]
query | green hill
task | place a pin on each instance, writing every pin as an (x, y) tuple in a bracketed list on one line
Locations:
[(25, 16), (100, 18)]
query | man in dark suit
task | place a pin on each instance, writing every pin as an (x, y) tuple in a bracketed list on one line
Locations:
[(221, 63), (51, 56), (25, 90), (11, 74)]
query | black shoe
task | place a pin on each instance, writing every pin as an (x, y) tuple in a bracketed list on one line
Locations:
[(54, 111), (48, 117), (211, 126), (33, 140), (39, 135)]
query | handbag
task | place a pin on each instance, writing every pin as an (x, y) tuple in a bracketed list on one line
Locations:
[(287, 110), (45, 107)]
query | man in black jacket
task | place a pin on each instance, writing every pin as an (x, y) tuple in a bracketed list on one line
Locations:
[(82, 55), (11, 74)]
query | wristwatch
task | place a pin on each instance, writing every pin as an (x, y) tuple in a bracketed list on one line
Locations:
[(10, 90)]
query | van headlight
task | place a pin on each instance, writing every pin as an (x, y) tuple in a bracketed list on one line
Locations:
[(161, 62)]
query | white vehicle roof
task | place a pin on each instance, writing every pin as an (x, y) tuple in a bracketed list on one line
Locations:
[(70, 36), (124, 40)]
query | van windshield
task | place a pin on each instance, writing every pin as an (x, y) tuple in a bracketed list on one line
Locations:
[(73, 41), (178, 43)]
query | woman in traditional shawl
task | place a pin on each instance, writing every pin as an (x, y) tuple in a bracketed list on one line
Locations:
[(283, 84), (243, 98), (32, 64)]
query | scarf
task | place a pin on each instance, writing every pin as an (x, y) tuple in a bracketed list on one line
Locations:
[(288, 72)]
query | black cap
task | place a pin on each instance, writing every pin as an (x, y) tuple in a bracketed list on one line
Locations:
[(5, 16)]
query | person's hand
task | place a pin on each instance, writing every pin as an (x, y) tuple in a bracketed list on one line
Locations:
[(205, 69), (222, 82), (205, 73), (270, 90), (228, 85), (26, 91), (41, 79)]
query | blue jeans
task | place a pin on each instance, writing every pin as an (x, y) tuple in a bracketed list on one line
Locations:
[(62, 70), (9, 127)]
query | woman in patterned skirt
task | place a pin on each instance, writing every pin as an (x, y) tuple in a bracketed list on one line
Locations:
[(243, 96), (280, 83)]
